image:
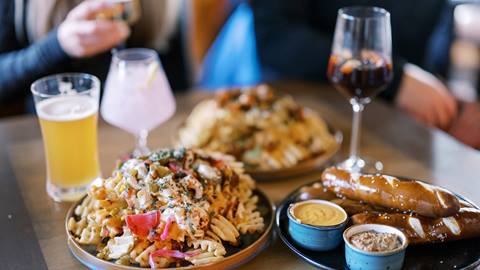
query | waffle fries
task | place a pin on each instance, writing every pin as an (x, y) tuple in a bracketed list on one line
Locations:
[(263, 131), (171, 208)]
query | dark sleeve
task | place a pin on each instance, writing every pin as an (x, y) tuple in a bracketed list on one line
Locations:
[(437, 58), (19, 67), (289, 47)]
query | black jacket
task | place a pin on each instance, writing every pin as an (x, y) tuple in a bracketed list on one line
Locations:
[(21, 64)]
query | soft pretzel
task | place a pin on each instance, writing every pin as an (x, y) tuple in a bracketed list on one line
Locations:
[(390, 192), (423, 230)]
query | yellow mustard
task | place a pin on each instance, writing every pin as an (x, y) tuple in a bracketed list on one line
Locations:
[(318, 214)]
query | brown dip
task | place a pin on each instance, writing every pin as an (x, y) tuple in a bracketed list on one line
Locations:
[(375, 241)]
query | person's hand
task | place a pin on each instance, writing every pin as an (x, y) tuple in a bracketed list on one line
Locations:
[(426, 98), (81, 35), (466, 127)]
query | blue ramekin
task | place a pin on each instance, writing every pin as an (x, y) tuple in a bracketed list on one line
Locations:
[(366, 260), (317, 238)]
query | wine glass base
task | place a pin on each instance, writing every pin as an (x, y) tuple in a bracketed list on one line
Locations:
[(361, 165)]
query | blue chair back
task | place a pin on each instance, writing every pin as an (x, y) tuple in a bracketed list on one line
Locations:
[(232, 59)]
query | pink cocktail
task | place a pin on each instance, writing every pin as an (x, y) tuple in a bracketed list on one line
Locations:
[(137, 95)]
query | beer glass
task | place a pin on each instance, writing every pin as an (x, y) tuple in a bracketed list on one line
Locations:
[(67, 108)]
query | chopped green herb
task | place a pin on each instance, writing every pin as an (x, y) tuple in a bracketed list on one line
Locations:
[(179, 153), (162, 156)]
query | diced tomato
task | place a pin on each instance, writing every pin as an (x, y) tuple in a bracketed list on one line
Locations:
[(141, 224), (219, 164), (174, 167)]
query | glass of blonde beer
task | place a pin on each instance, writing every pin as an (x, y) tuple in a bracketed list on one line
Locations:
[(67, 108)]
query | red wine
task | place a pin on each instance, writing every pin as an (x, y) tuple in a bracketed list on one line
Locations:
[(361, 78)]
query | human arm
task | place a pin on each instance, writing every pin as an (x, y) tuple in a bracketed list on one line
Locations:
[(426, 98), (18, 66), (77, 36)]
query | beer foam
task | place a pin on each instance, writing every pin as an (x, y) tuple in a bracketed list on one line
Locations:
[(66, 108)]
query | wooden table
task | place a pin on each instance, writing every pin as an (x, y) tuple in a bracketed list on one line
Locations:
[(32, 232)]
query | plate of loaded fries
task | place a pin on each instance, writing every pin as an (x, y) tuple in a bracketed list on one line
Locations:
[(172, 208), (362, 221), (272, 134)]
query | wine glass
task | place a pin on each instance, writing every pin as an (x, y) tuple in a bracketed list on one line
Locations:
[(360, 67), (137, 95)]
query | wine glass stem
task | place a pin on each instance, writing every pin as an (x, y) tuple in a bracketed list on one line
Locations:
[(356, 123), (141, 142)]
